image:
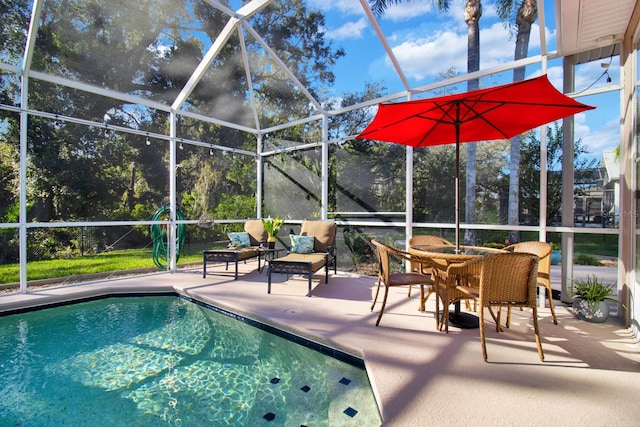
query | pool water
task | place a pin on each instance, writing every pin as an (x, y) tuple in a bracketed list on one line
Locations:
[(166, 361)]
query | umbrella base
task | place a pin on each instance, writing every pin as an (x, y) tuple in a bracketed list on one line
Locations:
[(464, 320)]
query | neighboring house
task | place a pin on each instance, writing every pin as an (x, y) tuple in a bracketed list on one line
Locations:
[(611, 185), (597, 193)]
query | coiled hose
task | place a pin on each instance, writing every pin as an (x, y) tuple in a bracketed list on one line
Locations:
[(160, 236)]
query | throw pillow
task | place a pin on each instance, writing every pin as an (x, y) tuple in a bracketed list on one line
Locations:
[(239, 239), (302, 244)]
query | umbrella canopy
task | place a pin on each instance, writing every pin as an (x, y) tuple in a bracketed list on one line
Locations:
[(500, 112)]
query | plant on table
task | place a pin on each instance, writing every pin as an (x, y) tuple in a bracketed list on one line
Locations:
[(272, 227)]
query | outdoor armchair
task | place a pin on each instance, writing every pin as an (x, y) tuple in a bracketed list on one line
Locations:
[(425, 240), (543, 250), (242, 246), (313, 251), (505, 279), (385, 276)]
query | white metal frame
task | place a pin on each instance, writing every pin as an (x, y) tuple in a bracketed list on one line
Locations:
[(238, 22)]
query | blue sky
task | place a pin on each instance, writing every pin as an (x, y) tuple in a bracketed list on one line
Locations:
[(427, 42)]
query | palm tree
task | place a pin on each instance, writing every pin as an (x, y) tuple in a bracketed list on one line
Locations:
[(472, 14), (525, 16)]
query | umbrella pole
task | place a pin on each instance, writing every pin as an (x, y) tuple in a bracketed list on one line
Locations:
[(457, 183)]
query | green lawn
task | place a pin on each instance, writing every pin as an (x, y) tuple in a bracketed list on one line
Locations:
[(129, 259)]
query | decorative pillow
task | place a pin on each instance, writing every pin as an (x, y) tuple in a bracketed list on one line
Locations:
[(302, 244), (239, 239)]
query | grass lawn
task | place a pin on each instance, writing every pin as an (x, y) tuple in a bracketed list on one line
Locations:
[(129, 259)]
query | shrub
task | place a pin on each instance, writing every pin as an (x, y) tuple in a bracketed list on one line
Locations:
[(494, 245), (592, 290), (586, 259)]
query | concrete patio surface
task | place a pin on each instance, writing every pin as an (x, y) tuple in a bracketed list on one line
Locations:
[(420, 376)]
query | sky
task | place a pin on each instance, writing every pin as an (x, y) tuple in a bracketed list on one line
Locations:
[(427, 42)]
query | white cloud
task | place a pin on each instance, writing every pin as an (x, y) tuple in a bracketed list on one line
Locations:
[(406, 11), (420, 58), (349, 30), (596, 141)]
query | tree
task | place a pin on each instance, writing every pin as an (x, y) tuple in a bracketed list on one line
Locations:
[(472, 14), (150, 50), (525, 16), (530, 174)]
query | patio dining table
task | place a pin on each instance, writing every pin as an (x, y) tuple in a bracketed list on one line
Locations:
[(440, 257)]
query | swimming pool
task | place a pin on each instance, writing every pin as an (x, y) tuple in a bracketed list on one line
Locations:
[(164, 360)]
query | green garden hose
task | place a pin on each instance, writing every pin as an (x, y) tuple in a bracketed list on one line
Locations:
[(160, 237)]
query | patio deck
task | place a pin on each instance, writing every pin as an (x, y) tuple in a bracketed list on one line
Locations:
[(422, 377)]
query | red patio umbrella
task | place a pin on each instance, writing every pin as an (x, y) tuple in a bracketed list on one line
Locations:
[(500, 112)]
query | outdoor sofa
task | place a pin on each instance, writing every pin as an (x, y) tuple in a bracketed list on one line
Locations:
[(242, 246), (316, 251)]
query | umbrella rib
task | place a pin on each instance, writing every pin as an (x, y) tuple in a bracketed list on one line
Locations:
[(445, 113), (480, 116)]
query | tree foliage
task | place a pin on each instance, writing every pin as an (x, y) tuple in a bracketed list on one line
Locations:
[(149, 49), (530, 174)]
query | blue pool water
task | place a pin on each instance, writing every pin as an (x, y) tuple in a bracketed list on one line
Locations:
[(166, 361)]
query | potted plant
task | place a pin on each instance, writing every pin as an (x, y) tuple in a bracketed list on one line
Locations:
[(590, 299), (556, 255), (272, 227)]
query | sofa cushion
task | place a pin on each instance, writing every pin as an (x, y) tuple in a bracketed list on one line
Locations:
[(301, 244), (239, 239), (316, 260)]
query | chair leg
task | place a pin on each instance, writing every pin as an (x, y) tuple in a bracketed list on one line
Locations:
[(384, 302), (537, 333), (445, 312), (482, 335), (423, 298), (496, 317), (553, 310), (438, 322), (409, 293), (269, 279), (548, 290), (375, 299)]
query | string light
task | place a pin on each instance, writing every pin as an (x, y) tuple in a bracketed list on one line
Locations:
[(148, 142)]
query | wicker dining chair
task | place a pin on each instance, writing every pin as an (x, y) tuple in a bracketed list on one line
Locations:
[(389, 279), (507, 279), (425, 240), (543, 250)]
